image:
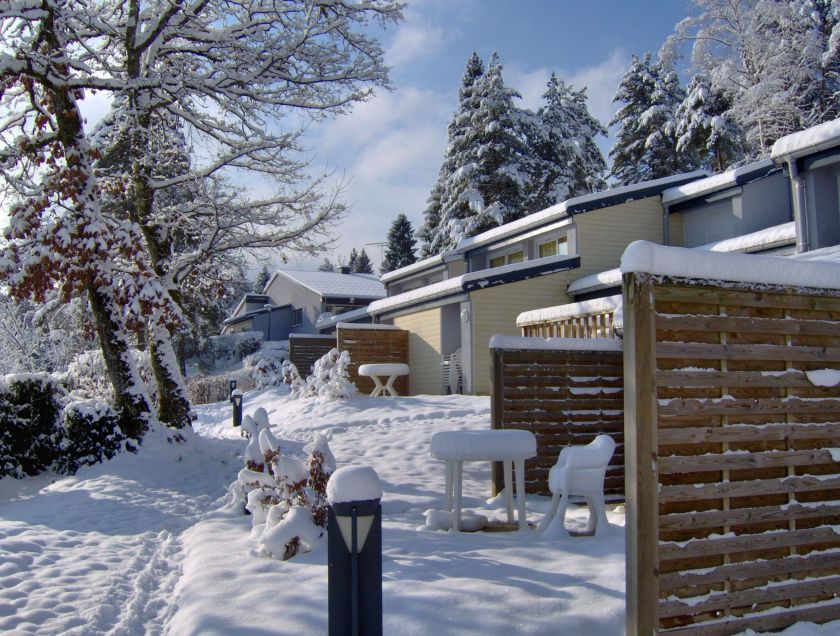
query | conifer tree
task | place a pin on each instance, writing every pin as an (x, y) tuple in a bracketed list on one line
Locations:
[(351, 262), (326, 266), (362, 264), (646, 144), (399, 251), (705, 126), (262, 280)]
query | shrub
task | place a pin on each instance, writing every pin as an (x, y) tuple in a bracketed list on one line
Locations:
[(330, 379), (206, 389), (30, 429), (228, 348), (265, 367), (87, 376), (91, 435)]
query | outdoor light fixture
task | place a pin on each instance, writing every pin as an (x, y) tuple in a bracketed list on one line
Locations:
[(236, 401), (354, 531), (231, 387)]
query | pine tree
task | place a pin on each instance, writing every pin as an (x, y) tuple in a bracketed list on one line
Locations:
[(362, 264), (705, 126), (354, 256), (399, 251), (262, 280), (565, 161), (427, 232), (646, 144), (326, 266), (482, 181)]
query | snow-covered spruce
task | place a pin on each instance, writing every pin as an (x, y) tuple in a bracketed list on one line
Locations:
[(267, 366), (330, 379), (287, 500)]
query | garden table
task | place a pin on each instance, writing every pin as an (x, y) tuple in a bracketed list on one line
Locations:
[(377, 371), (506, 446)]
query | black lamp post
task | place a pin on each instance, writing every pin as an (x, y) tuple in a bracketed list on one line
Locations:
[(236, 401), (231, 387), (355, 554)]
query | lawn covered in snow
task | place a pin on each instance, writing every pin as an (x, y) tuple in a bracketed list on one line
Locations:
[(151, 543)]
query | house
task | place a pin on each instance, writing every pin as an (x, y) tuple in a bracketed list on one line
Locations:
[(454, 302), (294, 300)]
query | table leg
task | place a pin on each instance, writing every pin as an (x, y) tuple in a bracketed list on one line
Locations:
[(449, 484), (508, 491), (389, 386), (377, 390), (459, 477), (520, 493)]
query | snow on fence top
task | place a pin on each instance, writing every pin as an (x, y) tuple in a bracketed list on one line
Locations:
[(782, 234), (554, 344), (608, 278), (570, 310), (808, 141), (643, 256), (293, 336), (353, 483), (366, 325)]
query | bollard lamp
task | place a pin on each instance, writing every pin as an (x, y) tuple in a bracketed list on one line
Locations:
[(231, 388), (236, 401)]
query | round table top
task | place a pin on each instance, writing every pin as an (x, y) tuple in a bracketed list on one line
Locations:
[(391, 368)]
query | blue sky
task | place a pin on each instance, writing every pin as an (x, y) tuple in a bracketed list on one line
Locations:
[(389, 149)]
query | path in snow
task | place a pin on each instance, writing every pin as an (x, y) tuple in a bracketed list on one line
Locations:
[(100, 553)]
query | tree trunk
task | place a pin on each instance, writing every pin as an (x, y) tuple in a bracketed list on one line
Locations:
[(173, 407), (129, 392)]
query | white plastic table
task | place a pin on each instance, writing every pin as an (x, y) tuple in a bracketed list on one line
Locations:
[(377, 371), (507, 446)]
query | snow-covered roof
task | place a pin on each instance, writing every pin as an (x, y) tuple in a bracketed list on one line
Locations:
[(569, 310), (826, 254), (366, 286), (722, 181), (775, 236), (324, 322), (643, 256), (475, 280), (419, 266), (594, 282), (613, 196), (808, 141), (768, 238)]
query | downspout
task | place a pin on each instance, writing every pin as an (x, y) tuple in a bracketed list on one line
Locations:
[(666, 231), (800, 206)]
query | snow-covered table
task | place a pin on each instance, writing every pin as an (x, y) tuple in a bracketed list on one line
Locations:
[(377, 371), (506, 446)]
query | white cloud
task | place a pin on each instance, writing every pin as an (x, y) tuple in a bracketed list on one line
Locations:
[(530, 84), (601, 82), (414, 40)]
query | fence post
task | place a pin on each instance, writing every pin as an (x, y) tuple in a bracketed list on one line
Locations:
[(640, 456)]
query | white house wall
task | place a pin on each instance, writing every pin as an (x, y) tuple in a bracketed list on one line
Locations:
[(283, 291), (424, 350)]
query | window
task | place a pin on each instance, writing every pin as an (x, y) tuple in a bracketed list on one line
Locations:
[(507, 259), (297, 317), (555, 247)]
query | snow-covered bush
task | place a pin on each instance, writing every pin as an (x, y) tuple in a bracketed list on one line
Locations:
[(87, 377), (291, 376), (30, 426), (228, 349), (91, 435), (330, 379), (265, 367), (206, 389), (285, 497)]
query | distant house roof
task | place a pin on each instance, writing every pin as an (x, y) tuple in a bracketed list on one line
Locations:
[(576, 205), (807, 142), (361, 286), (717, 182), (419, 266), (476, 280)]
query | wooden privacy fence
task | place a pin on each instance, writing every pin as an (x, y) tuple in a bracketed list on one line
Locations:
[(373, 344), (306, 349), (566, 392), (732, 493)]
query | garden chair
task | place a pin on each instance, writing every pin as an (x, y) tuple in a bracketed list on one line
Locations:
[(579, 471)]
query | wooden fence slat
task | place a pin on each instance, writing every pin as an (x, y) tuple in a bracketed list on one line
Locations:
[(748, 433), (744, 516), (759, 352), (763, 406), (818, 300), (740, 460), (670, 582), (741, 324), (751, 488), (710, 546), (729, 600), (715, 378)]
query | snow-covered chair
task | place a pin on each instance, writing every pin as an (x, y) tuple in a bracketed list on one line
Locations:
[(579, 471)]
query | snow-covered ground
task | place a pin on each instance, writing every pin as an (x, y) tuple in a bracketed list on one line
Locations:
[(151, 543)]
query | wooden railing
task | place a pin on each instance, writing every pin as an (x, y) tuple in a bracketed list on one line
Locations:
[(586, 319)]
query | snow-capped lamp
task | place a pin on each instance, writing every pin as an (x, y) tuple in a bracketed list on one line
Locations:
[(236, 401), (231, 387), (354, 528)]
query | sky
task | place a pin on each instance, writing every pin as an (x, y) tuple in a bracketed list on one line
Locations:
[(389, 149)]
